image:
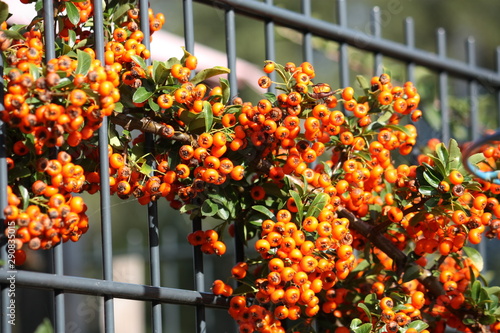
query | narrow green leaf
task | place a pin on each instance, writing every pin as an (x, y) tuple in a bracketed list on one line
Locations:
[(65, 81), (153, 105), (431, 179), (363, 83), (355, 323), (365, 328), (411, 273), (226, 90), (25, 196), (45, 327), (400, 128), (120, 11), (208, 115), (442, 153), (264, 210), (4, 11), (455, 154), (208, 73), (73, 13), (299, 204), (71, 37), (475, 256), (141, 95), (13, 34), (427, 190), (366, 310), (160, 72), (318, 204), (475, 291), (270, 97), (419, 325), (146, 169), (431, 203), (139, 61), (208, 208), (487, 320), (476, 158), (186, 208), (223, 213), (84, 60)]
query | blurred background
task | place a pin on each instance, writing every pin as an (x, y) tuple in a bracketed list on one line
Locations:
[(460, 18)]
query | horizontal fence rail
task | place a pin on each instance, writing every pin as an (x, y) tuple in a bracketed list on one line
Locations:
[(61, 284)]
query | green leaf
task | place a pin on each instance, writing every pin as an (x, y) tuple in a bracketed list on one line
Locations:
[(427, 190), (208, 115), (442, 153), (65, 81), (411, 273), (455, 154), (223, 213), (160, 72), (208, 73), (419, 325), (71, 37), (45, 327), (25, 196), (487, 320), (13, 34), (73, 13), (270, 97), (476, 158), (146, 169), (141, 95), (366, 310), (318, 204), (209, 208), (298, 203), (355, 323), (475, 256), (139, 61), (264, 210), (4, 11), (400, 128), (84, 60), (475, 291), (365, 328), (431, 203), (431, 179), (186, 208), (226, 90), (120, 11), (363, 83), (153, 105)]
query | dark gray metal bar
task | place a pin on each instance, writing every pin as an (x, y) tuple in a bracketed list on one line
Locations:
[(5, 286), (153, 230), (57, 251), (443, 88), (343, 46), (270, 47), (199, 274), (188, 25), (231, 50), (376, 30), (497, 56), (49, 29), (307, 48), (106, 237), (409, 28), (111, 289), (359, 39), (473, 89)]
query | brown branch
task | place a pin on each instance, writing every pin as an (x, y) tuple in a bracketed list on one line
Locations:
[(146, 125)]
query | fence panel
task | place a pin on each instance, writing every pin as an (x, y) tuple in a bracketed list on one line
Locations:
[(61, 284)]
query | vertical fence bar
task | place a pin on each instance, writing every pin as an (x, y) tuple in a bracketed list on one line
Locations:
[(57, 251), (105, 200), (443, 88), (307, 47), (410, 42), (472, 87), (497, 56), (270, 47), (199, 273), (377, 33), (343, 56), (4, 297), (153, 231)]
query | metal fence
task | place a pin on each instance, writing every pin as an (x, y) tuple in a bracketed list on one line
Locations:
[(60, 286)]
